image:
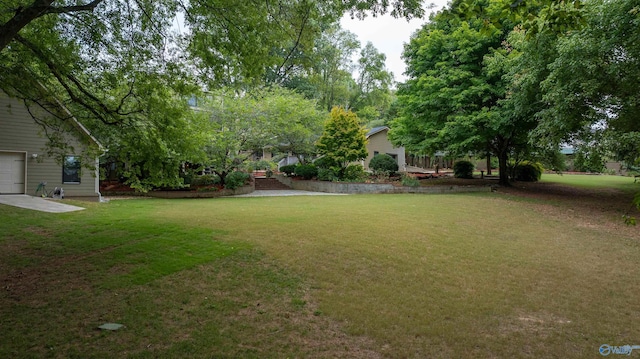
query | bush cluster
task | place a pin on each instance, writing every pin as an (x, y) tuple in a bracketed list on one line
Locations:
[(236, 179), (205, 180), (528, 171), (324, 162), (288, 169), (410, 181), (463, 169), (306, 171), (354, 173), (589, 162), (327, 174), (383, 163)]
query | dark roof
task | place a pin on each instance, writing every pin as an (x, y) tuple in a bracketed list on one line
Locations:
[(375, 130)]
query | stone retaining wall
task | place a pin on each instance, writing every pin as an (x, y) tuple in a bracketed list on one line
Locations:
[(209, 194), (360, 188)]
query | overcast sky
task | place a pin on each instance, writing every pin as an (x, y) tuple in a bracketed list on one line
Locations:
[(388, 35)]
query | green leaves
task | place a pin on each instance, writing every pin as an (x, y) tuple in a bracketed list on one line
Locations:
[(444, 103), (344, 139), (239, 124), (459, 95), (123, 70)]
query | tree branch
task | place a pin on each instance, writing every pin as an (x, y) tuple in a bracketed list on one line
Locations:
[(25, 15), (67, 9), (95, 105), (294, 47)]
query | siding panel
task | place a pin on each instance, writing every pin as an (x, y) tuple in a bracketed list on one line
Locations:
[(20, 133)]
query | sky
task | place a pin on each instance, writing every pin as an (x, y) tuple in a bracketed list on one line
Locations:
[(388, 35)]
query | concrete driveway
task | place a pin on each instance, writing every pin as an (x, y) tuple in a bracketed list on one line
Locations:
[(37, 203)]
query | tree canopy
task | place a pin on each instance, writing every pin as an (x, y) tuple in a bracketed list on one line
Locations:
[(239, 124), (343, 140), (453, 99), (126, 68), (524, 78), (593, 80)]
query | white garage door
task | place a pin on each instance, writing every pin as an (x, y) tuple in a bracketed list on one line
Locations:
[(11, 173)]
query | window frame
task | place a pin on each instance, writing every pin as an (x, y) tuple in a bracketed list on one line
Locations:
[(77, 166)]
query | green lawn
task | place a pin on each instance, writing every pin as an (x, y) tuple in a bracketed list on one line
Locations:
[(400, 276), (593, 181)]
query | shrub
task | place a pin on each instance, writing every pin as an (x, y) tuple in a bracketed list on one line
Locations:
[(306, 171), (205, 180), (354, 173), (235, 180), (463, 169), (324, 162), (186, 179), (588, 162), (288, 169), (528, 171), (383, 163), (326, 174), (410, 181)]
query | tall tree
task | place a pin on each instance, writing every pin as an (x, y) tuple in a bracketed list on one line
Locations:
[(591, 89), (297, 124), (236, 128), (241, 123), (372, 96), (343, 139), (451, 101), (593, 80), (332, 66)]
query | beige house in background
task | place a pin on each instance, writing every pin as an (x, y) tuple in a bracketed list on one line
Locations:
[(24, 162), (378, 143)]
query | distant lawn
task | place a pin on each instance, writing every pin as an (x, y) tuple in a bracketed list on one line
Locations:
[(622, 183), (424, 276)]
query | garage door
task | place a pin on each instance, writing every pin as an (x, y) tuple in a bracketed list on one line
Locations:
[(11, 173)]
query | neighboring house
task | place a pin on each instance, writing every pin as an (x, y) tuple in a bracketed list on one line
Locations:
[(289, 160), (378, 143), (24, 162)]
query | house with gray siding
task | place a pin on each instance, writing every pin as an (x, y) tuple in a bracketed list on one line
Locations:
[(25, 160)]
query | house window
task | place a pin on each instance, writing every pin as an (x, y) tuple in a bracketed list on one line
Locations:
[(192, 101), (375, 153), (71, 169)]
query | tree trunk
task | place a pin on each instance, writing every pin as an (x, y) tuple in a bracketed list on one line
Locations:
[(222, 175), (488, 164), (504, 172)]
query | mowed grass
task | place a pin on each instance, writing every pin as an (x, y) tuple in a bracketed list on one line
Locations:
[(399, 276), (622, 183)]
